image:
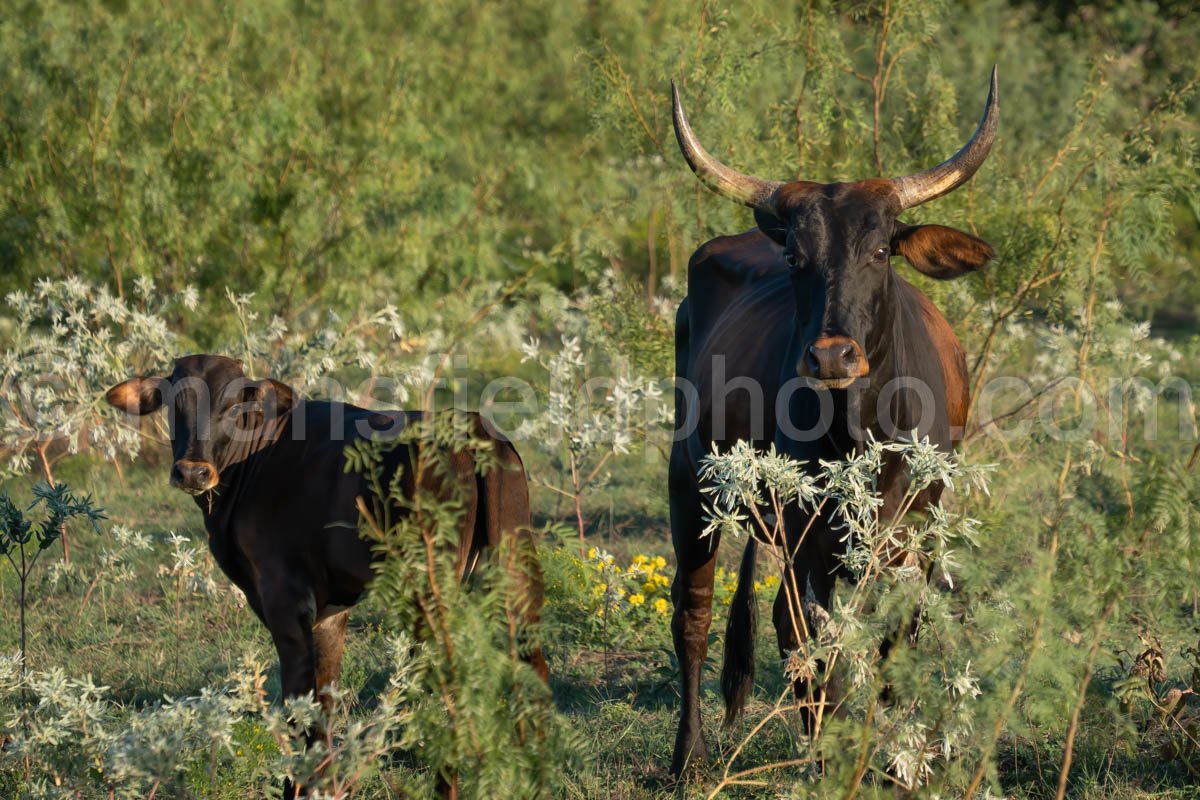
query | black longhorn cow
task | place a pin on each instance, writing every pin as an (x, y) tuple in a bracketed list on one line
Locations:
[(799, 333), (267, 470)]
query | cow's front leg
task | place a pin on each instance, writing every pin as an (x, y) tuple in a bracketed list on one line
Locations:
[(692, 593), (807, 582), (291, 627), (792, 634)]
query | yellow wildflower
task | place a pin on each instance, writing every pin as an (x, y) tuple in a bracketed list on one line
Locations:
[(591, 552), (654, 583), (659, 562), (636, 599), (662, 606)]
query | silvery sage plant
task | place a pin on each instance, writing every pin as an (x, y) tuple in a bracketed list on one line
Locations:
[(589, 419), (375, 342), (884, 591), (115, 565), (74, 740), (70, 341)]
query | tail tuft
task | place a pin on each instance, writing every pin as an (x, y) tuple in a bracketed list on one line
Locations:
[(737, 674)]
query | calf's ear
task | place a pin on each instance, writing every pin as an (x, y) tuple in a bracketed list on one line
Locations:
[(940, 252), (137, 395), (279, 396)]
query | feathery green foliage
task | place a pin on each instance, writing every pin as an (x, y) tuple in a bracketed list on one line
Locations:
[(23, 540), (478, 722)]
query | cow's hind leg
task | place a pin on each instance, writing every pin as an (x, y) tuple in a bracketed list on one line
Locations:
[(692, 593), (530, 597), (501, 530)]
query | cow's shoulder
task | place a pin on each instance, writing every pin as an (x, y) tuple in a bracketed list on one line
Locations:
[(735, 283), (732, 331)]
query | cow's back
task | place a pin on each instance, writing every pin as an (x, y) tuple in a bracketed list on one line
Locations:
[(732, 331)]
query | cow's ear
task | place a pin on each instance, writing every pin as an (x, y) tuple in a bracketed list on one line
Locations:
[(273, 393), (137, 395), (940, 252), (772, 226)]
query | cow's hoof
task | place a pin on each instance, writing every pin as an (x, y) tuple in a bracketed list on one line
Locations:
[(690, 759)]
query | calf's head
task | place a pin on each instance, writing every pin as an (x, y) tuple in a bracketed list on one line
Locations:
[(215, 414), (838, 239)]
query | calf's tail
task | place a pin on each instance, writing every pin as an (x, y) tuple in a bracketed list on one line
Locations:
[(737, 674), (506, 517)]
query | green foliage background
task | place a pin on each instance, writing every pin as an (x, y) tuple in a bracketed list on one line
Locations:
[(330, 154), (337, 157)]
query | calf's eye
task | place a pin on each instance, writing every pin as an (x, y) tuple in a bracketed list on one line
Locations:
[(882, 254), (790, 259)]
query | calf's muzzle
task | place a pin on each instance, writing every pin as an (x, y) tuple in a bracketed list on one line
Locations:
[(193, 476)]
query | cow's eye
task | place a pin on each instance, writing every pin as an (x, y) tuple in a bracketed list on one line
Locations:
[(882, 254), (790, 259)]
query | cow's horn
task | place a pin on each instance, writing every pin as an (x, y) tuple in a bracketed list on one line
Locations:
[(746, 189), (949, 175)]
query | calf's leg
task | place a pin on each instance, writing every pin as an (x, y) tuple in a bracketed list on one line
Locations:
[(328, 637), (289, 618)]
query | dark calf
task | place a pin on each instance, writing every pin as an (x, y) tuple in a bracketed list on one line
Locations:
[(267, 472)]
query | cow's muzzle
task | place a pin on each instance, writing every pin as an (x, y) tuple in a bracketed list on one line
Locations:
[(194, 477), (834, 361)]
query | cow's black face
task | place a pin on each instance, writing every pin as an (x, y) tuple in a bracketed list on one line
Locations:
[(837, 241), (214, 412)]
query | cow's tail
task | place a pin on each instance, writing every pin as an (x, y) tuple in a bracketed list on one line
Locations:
[(737, 676)]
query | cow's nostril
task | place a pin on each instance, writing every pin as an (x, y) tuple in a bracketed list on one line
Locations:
[(849, 354), (813, 360), (202, 473)]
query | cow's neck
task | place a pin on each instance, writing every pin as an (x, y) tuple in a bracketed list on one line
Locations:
[(905, 367), (237, 466)]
